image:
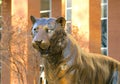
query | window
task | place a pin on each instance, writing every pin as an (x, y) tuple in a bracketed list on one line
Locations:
[(68, 15), (45, 8), (45, 11), (104, 26)]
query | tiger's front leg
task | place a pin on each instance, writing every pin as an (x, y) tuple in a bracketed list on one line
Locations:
[(115, 78)]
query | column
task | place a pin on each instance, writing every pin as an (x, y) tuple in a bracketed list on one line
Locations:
[(95, 26)]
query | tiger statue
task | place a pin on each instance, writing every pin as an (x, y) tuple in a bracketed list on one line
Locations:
[(64, 61)]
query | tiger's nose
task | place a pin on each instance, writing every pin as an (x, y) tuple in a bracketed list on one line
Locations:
[(42, 44)]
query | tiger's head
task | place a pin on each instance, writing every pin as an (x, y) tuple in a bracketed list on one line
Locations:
[(48, 35)]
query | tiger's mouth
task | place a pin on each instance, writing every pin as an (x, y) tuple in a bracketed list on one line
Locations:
[(43, 51)]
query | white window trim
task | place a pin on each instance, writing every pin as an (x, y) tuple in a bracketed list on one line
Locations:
[(69, 8), (45, 11), (104, 18), (104, 48), (68, 21), (104, 4)]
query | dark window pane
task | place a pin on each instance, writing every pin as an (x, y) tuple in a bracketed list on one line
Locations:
[(104, 1), (47, 14), (69, 3), (104, 33), (45, 5), (69, 15), (104, 11)]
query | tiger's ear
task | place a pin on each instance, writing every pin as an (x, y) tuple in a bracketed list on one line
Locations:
[(33, 19), (61, 21)]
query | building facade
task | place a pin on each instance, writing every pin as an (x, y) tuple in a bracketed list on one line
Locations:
[(98, 20)]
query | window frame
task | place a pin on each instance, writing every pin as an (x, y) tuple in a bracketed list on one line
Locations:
[(104, 3), (66, 11)]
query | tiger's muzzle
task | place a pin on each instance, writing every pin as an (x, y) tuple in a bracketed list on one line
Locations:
[(41, 46), (41, 42)]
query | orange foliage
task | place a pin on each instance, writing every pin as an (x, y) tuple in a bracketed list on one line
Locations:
[(80, 37)]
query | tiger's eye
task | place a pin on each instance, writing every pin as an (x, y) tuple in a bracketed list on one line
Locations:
[(36, 29)]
